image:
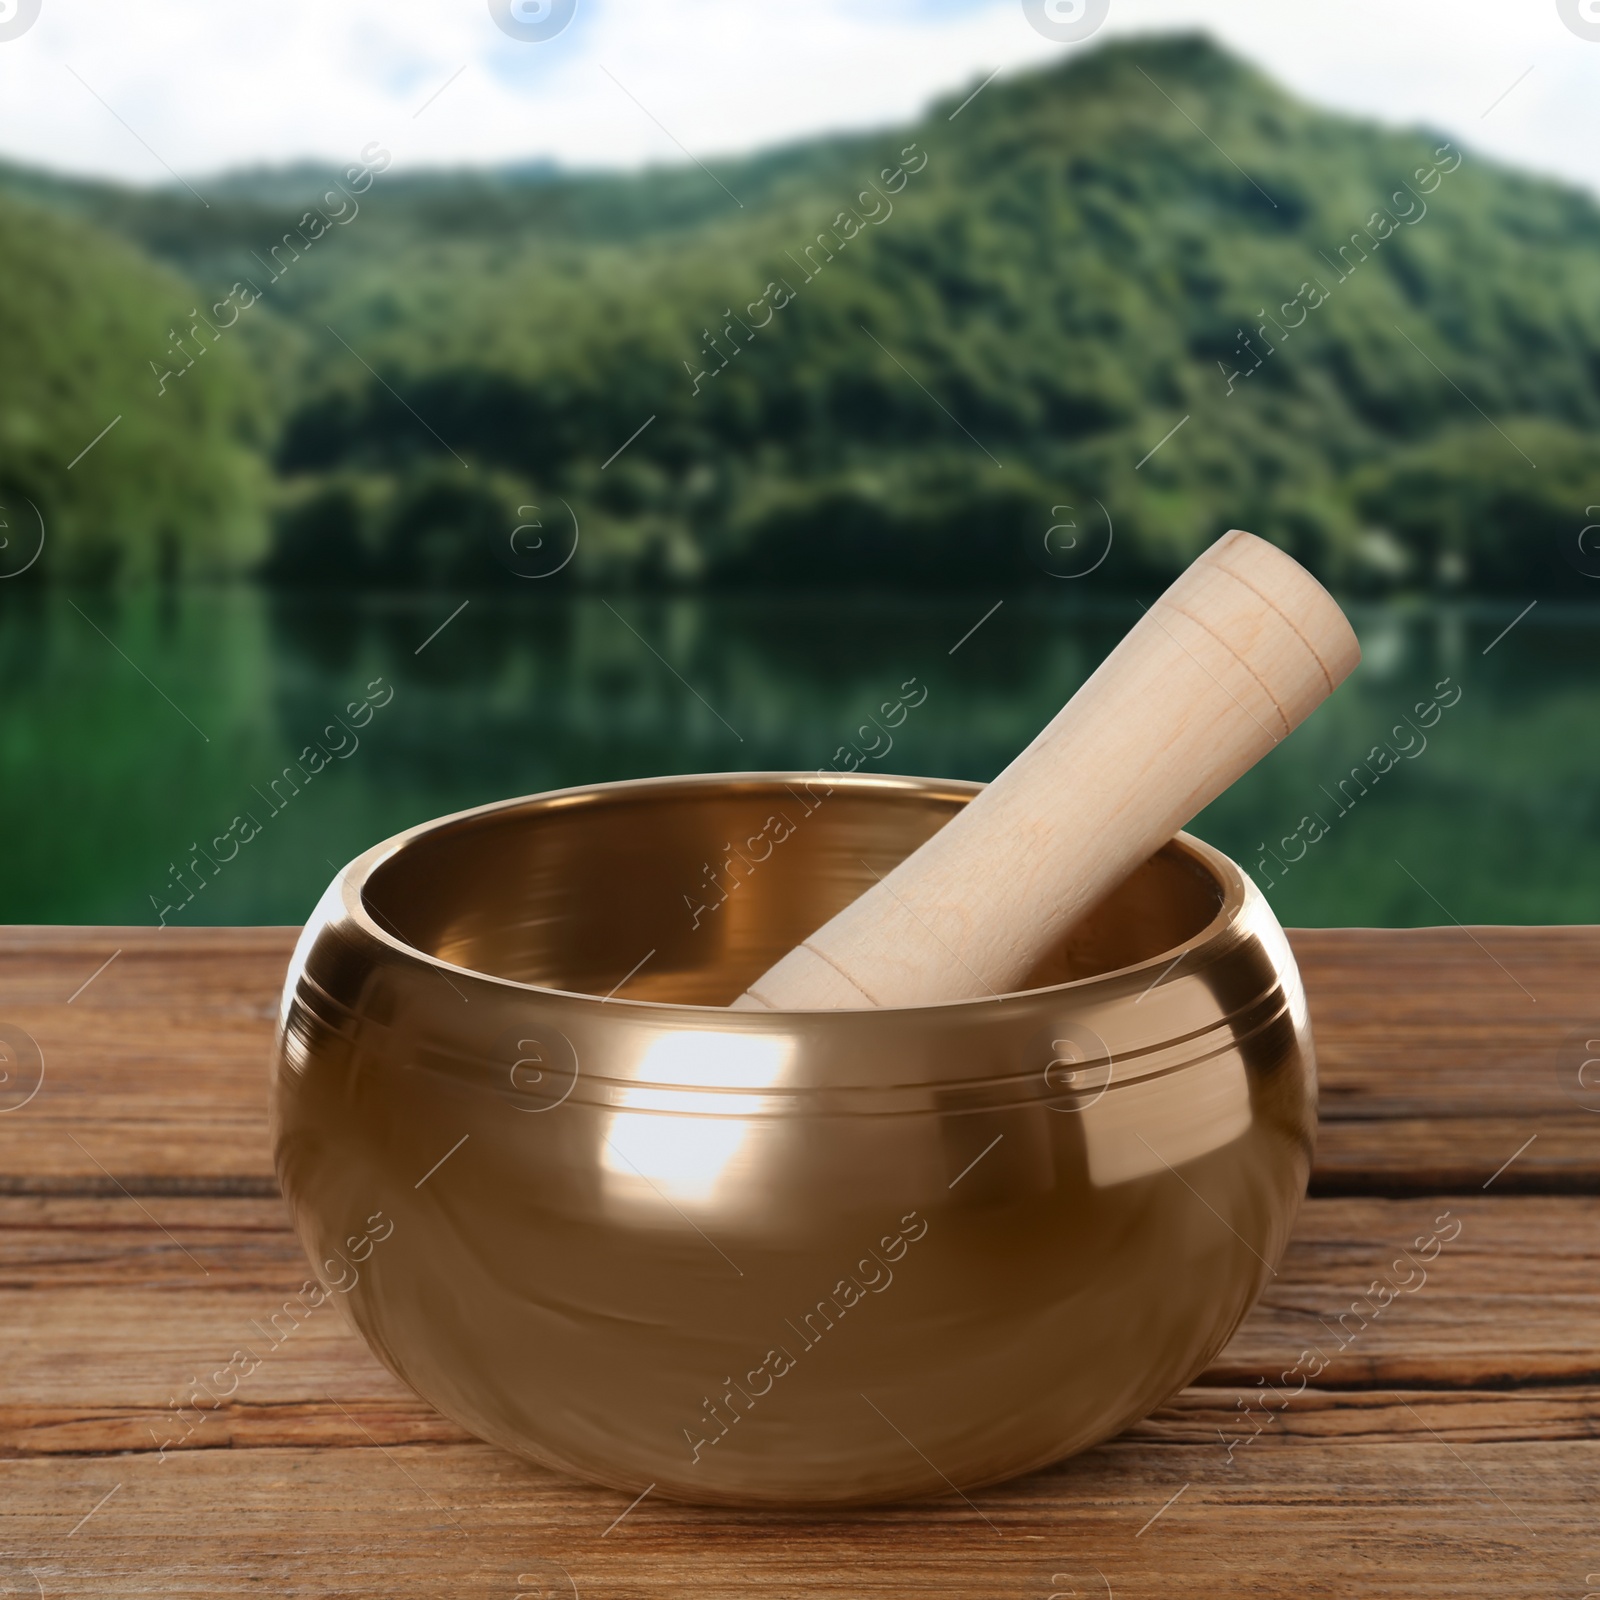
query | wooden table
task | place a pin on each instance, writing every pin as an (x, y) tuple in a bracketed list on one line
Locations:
[(1448, 1449)]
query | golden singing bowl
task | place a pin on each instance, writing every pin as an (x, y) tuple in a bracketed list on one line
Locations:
[(778, 1258)]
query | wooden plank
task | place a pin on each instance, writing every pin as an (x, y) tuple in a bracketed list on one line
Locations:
[(1434, 1067), (1458, 1155), (1207, 1415), (1453, 1022), (157, 1070), (1419, 1519)]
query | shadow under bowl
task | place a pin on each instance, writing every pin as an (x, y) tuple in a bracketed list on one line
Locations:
[(778, 1258)]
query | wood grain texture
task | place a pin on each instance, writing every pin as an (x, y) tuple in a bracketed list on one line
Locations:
[(1447, 1445), (1318, 1519), (1225, 665)]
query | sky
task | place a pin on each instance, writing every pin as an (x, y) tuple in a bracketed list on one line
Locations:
[(186, 88)]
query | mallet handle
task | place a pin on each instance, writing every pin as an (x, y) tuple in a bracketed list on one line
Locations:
[(1225, 665)]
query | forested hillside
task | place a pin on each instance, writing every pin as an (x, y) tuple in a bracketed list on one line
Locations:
[(894, 360), (180, 479)]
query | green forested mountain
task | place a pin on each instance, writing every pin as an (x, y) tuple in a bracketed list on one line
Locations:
[(892, 359), (180, 479)]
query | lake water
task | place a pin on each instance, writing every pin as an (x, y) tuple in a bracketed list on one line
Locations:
[(135, 726)]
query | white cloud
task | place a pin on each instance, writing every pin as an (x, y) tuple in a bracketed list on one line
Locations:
[(205, 89)]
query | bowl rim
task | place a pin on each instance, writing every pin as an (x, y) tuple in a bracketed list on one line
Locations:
[(350, 883)]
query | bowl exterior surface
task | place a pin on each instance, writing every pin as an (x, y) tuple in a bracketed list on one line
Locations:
[(778, 1258)]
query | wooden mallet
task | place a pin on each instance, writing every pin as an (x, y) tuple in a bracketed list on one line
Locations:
[(1225, 665)]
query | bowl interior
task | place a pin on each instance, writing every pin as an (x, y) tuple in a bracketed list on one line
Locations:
[(686, 890)]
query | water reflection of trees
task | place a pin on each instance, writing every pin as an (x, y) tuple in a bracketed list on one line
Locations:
[(549, 690), (571, 689)]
